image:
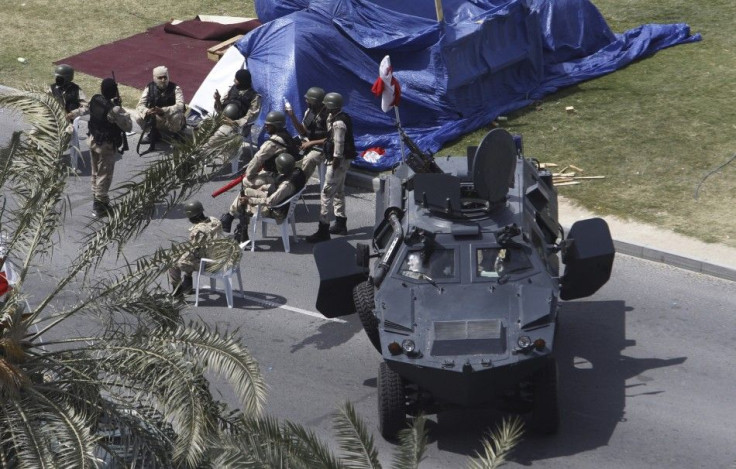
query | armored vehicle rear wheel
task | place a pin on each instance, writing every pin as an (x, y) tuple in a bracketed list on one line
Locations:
[(363, 299), (391, 402), (545, 406)]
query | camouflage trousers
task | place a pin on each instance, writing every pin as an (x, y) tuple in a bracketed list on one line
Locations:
[(103, 164), (186, 264), (264, 177), (333, 192), (310, 162)]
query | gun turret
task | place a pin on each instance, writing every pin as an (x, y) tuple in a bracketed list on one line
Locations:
[(418, 160)]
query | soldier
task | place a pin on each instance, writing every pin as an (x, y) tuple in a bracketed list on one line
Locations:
[(312, 129), (261, 169), (68, 92), (160, 108), (245, 100), (339, 150), (204, 229), (107, 121), (290, 181)]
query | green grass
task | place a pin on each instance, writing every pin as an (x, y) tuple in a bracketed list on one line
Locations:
[(655, 129)]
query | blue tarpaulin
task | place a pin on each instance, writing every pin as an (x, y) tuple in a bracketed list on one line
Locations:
[(486, 58)]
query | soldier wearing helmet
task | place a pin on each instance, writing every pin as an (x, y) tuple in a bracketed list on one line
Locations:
[(160, 107), (68, 93), (312, 129), (247, 101), (289, 181), (204, 228), (107, 121), (339, 148), (261, 170)]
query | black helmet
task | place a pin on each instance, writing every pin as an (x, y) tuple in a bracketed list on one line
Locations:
[(315, 95), (276, 119), (333, 101), (193, 209), (66, 72), (285, 163), (232, 111)]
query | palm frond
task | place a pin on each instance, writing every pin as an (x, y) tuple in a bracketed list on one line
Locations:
[(354, 439), (46, 116), (267, 443), (412, 445), (499, 444), (226, 356), (168, 181)]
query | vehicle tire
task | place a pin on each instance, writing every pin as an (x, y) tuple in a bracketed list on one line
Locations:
[(363, 299), (545, 406), (391, 403)]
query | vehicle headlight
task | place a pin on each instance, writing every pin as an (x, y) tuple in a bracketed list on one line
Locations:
[(408, 345), (524, 342)]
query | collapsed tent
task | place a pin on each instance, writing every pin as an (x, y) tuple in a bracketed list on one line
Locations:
[(485, 58)]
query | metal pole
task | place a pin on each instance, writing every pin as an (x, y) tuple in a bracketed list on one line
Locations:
[(398, 126), (438, 9)]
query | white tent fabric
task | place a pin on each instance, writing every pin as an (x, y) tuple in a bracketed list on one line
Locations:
[(220, 78)]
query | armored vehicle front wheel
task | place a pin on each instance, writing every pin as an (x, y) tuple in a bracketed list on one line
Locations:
[(363, 299), (545, 406), (391, 402)]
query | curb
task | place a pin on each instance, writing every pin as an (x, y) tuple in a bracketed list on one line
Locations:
[(366, 181)]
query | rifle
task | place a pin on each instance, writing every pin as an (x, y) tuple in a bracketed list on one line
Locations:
[(418, 160), (119, 102)]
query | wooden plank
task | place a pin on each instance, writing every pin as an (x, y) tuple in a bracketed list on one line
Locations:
[(571, 183), (576, 168), (590, 177), (215, 52)]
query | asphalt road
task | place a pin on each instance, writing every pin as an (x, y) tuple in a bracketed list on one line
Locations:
[(646, 364)]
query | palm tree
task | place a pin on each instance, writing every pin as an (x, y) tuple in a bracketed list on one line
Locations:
[(133, 392)]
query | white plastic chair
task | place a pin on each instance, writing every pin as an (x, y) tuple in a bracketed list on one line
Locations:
[(226, 275), (283, 223)]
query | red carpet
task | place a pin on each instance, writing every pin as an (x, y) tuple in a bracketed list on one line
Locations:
[(181, 47)]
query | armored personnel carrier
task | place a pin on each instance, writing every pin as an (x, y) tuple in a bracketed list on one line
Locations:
[(460, 289)]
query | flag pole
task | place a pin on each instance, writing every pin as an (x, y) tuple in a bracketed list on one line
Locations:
[(398, 127), (438, 9)]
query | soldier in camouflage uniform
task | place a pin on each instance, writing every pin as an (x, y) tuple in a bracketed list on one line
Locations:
[(291, 180), (161, 107), (205, 228), (68, 93), (312, 129), (107, 122), (261, 170), (339, 150)]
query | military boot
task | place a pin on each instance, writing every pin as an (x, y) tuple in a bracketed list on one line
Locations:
[(99, 208), (322, 234), (185, 287), (227, 222), (340, 226)]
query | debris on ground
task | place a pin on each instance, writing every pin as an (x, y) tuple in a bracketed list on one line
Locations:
[(567, 177)]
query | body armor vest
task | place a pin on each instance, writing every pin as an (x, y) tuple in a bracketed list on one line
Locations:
[(316, 124), (161, 98), (297, 179), (349, 146), (242, 97), (68, 94), (101, 129)]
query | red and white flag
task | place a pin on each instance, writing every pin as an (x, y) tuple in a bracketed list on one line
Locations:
[(386, 86)]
